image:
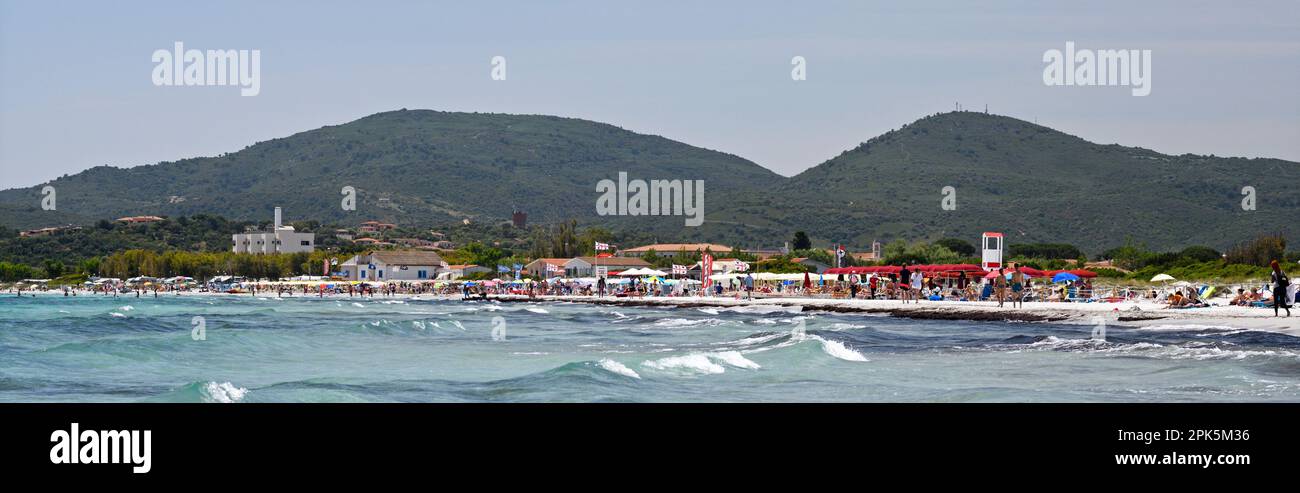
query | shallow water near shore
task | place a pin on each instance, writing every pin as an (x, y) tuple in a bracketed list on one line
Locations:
[(104, 349)]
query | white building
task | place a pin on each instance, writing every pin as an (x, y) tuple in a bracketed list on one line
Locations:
[(383, 266), (586, 266), (459, 271), (281, 239)]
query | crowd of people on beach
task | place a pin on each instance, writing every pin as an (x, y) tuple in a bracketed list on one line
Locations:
[(1008, 285)]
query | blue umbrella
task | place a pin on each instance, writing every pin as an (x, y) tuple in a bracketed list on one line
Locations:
[(1064, 276)]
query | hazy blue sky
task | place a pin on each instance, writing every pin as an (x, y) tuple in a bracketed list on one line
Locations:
[(75, 87)]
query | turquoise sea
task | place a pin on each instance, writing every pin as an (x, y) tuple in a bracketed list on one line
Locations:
[(126, 349)]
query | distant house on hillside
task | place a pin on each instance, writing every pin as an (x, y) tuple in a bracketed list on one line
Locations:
[(139, 219), (671, 249), (46, 231), (401, 265), (375, 226)]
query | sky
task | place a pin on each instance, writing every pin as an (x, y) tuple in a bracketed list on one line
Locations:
[(76, 87)]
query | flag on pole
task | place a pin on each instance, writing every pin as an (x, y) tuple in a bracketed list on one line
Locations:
[(740, 266), (839, 255), (706, 264), (600, 247), (552, 268), (679, 269)]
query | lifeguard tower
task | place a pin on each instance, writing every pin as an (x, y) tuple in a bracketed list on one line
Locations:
[(991, 243)]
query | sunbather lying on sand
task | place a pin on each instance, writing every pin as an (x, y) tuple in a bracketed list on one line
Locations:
[(1242, 298)]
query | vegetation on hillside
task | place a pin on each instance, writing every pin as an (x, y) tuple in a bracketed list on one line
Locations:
[(428, 169)]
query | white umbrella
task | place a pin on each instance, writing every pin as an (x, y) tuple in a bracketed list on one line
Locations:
[(1162, 277)]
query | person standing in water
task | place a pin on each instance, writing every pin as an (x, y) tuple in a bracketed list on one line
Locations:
[(1280, 283)]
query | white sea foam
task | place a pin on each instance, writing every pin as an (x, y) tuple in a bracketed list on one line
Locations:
[(844, 326), (1198, 353), (457, 324), (839, 350), (358, 305), (419, 324), (225, 392), (764, 309), (116, 314), (1191, 327), (734, 358), (537, 310), (703, 363), (686, 322), (689, 363), (127, 308), (1193, 350), (619, 368), (710, 311)]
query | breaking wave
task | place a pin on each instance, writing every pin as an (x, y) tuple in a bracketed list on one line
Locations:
[(618, 368)]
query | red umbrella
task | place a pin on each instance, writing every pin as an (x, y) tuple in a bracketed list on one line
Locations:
[(1032, 272), (807, 283)]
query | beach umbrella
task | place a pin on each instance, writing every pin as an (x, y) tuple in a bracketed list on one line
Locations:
[(1163, 277), (807, 282), (1064, 276)]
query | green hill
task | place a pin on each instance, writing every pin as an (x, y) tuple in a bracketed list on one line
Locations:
[(1031, 182), (430, 168), (410, 167)]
